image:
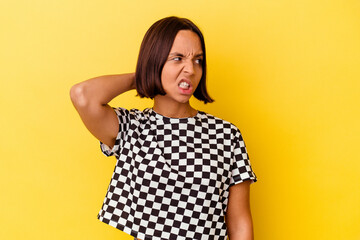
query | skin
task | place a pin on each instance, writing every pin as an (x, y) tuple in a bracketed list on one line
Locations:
[(238, 217), (184, 62), (91, 97)]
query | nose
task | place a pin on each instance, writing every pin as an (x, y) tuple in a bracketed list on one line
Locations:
[(189, 67)]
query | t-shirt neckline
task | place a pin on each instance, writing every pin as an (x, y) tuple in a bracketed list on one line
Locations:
[(158, 115)]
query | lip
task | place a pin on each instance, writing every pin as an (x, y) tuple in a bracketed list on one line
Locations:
[(185, 80), (186, 91)]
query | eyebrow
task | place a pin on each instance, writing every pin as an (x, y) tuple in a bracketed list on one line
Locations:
[(182, 55)]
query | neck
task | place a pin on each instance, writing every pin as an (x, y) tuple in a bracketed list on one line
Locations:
[(173, 109)]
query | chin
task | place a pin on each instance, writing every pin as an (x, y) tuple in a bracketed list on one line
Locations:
[(183, 99), (179, 98)]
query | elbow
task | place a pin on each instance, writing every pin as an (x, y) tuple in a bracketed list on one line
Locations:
[(78, 95), (242, 230)]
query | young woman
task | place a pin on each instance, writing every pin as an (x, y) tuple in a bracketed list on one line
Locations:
[(181, 173)]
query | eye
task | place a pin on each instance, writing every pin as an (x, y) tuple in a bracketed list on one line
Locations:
[(199, 61), (176, 58)]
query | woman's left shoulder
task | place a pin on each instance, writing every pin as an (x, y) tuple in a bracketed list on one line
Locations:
[(220, 122)]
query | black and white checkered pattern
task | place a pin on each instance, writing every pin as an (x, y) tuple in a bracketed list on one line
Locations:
[(172, 176)]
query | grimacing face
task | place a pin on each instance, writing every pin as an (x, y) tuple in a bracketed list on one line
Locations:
[(182, 70)]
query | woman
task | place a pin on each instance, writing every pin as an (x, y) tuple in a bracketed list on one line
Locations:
[(180, 172)]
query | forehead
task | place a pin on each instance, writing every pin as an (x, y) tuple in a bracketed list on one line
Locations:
[(187, 41)]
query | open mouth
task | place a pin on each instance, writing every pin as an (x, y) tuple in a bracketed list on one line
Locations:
[(184, 85)]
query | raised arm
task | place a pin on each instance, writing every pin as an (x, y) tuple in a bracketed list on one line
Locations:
[(91, 97)]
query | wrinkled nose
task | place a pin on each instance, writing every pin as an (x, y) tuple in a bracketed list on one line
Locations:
[(189, 67)]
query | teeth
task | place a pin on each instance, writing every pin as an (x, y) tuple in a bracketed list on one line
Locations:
[(184, 85)]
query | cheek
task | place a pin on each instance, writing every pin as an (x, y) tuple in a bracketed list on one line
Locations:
[(199, 73), (165, 78), (169, 74)]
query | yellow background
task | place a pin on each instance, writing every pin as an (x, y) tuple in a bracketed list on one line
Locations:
[(285, 72)]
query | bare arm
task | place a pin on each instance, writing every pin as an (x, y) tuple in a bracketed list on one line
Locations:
[(91, 97), (238, 215)]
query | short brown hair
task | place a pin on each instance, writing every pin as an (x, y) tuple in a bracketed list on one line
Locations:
[(154, 51)]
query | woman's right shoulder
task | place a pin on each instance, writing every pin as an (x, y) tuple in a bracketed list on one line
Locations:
[(133, 113)]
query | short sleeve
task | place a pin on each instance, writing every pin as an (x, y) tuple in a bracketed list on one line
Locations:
[(241, 167), (124, 123)]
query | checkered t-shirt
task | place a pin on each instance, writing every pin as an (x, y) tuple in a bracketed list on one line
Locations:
[(172, 175)]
